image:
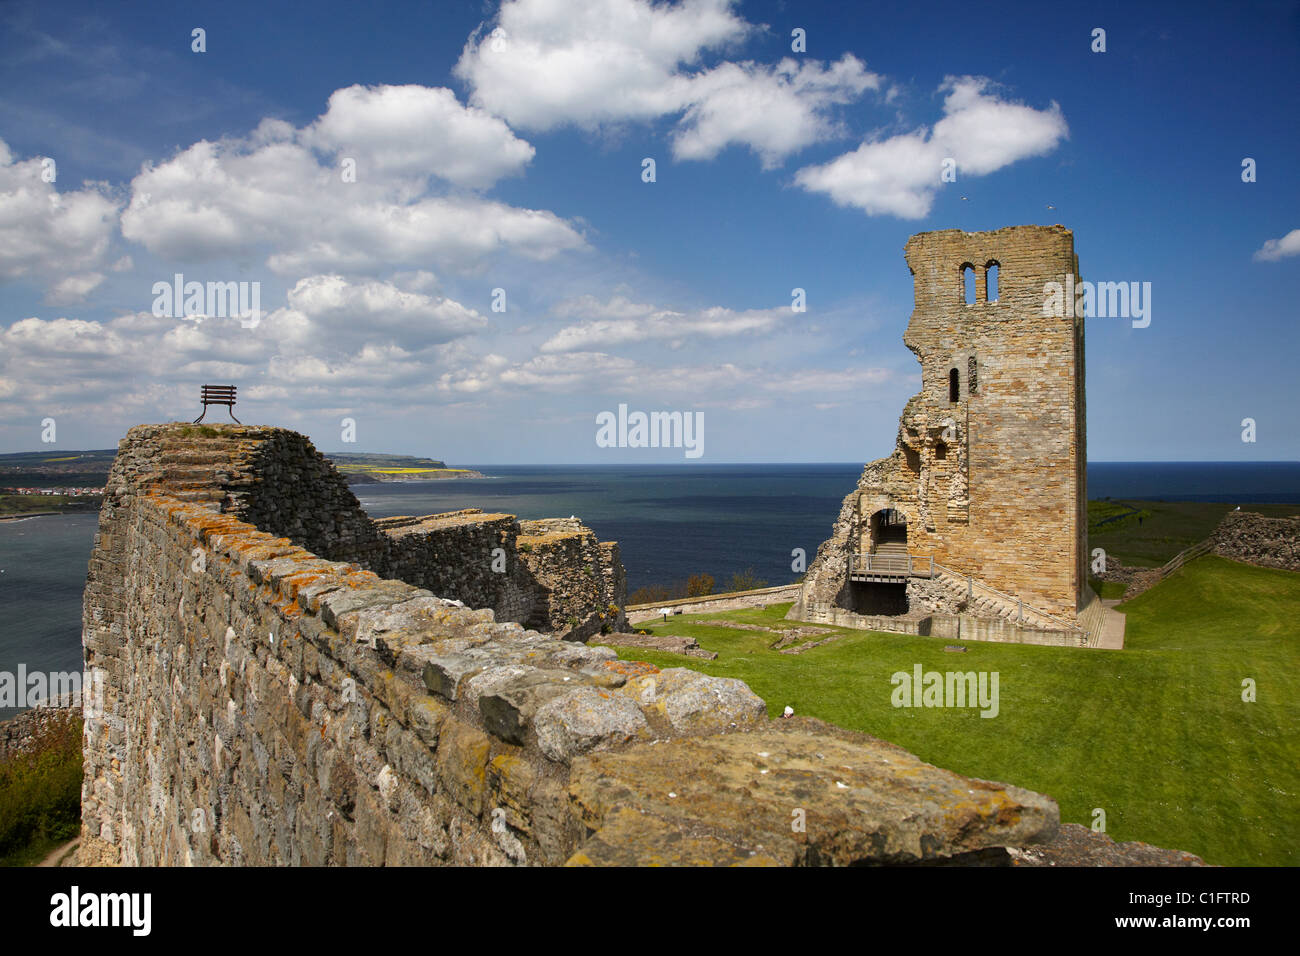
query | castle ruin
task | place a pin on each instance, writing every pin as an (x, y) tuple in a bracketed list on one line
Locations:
[(976, 526), (286, 681)]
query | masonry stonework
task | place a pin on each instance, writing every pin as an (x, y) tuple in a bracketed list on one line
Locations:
[(274, 479), (1269, 542), (264, 703), (987, 478)]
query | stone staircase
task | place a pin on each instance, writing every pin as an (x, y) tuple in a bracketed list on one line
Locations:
[(201, 468), (988, 602), (191, 462)]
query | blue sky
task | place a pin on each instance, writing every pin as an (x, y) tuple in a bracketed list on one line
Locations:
[(501, 146)]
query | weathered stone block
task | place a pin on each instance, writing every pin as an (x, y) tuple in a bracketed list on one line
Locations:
[(694, 703), (462, 763), (510, 702), (586, 719), (800, 792)]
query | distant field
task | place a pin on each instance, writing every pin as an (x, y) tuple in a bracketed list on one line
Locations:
[(95, 459), (1156, 735), (40, 469), (417, 471), (365, 467), (29, 504), (362, 461), (1164, 528)]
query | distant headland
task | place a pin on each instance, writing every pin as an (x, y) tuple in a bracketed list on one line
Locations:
[(365, 468), (66, 468), (54, 482)]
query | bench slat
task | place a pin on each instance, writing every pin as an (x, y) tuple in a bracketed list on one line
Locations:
[(217, 395)]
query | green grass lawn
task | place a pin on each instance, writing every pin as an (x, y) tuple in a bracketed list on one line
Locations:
[(1157, 734), (1107, 589), (1166, 528)]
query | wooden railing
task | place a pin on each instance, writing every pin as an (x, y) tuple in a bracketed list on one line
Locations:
[(892, 565), (1182, 557)]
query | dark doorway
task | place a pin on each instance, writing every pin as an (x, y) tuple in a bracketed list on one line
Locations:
[(889, 527), (872, 597)]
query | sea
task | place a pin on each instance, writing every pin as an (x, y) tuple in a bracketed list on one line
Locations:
[(671, 521)]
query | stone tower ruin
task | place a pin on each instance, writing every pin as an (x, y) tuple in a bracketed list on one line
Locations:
[(981, 510)]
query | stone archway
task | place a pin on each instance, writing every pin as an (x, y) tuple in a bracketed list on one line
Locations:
[(887, 529), (883, 591)]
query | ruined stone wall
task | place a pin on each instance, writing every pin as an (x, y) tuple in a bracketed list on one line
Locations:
[(275, 480), (579, 582), (1020, 432), (712, 603), (992, 484), (551, 574), (826, 583), (466, 554), (265, 705), (1257, 539), (277, 708)]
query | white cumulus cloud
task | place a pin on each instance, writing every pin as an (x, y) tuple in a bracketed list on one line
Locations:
[(417, 131), (588, 63), (74, 288), (775, 111), (620, 321), (900, 175), (371, 310), (46, 234), (1275, 249), (273, 191)]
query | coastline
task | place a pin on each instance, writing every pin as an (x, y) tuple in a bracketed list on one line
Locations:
[(370, 478)]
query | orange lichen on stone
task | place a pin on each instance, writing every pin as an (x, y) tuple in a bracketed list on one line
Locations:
[(631, 668), (292, 584), (551, 537)]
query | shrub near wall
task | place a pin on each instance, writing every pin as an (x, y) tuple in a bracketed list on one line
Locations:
[(40, 779)]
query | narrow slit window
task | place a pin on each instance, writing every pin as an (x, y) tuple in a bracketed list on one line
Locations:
[(968, 282), (991, 282), (954, 386)]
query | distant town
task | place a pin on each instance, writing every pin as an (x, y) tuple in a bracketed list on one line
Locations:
[(67, 483), (66, 492)]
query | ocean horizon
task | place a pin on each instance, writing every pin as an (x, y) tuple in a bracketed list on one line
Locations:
[(671, 521)]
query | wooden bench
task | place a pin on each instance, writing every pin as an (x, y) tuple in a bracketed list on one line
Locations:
[(218, 395)]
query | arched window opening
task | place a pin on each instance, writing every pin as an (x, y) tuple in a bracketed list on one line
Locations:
[(968, 282), (954, 386), (991, 282), (972, 376)]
